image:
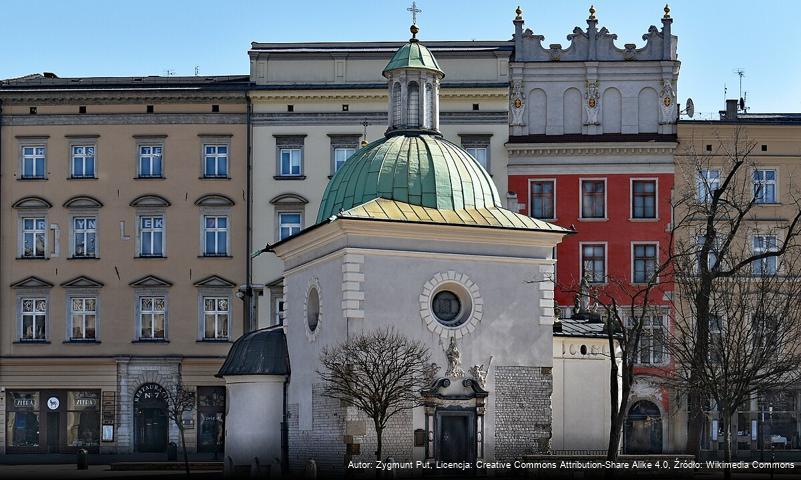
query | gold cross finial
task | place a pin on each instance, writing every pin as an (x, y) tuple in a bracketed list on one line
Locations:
[(592, 12), (667, 11)]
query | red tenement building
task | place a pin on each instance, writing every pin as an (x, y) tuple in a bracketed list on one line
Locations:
[(591, 145)]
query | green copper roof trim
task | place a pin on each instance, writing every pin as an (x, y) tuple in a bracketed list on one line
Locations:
[(421, 169), (413, 55)]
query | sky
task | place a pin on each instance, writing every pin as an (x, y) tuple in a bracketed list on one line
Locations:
[(152, 37)]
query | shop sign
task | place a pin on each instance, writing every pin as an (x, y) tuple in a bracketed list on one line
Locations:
[(53, 403), (150, 391), (24, 403)]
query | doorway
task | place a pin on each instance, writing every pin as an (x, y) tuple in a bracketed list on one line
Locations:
[(643, 429), (151, 423), (456, 435), (53, 430)]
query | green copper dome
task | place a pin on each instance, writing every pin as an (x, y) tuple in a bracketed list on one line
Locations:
[(413, 55), (418, 169)]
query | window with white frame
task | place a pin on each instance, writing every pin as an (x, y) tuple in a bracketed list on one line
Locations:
[(708, 183), (542, 204), (289, 223), (33, 161), (215, 161), (83, 318), (33, 318), (215, 318), (644, 262), (152, 317), (643, 199), (764, 186), (480, 154), (290, 162), (341, 154), (84, 234), (215, 235), (593, 262), (83, 161), (651, 347), (150, 161), (34, 237), (278, 311), (764, 244), (151, 236), (593, 199)]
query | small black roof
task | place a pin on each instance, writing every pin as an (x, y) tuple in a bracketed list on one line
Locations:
[(260, 352), (566, 327)]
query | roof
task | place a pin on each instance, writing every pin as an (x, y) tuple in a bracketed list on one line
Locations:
[(392, 210), (566, 327), (413, 55), (412, 167), (260, 352), (442, 46), (753, 119), (50, 82)]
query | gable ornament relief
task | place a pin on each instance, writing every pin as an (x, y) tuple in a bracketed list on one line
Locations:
[(592, 106)]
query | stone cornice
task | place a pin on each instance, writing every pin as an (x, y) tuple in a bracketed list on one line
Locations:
[(589, 148), (354, 118), (124, 119), (120, 96), (368, 94)]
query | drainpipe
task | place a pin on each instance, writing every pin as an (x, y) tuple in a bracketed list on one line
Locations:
[(285, 432), (250, 300)]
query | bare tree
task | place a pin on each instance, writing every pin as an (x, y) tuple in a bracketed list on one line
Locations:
[(716, 208), (380, 372), (180, 400)]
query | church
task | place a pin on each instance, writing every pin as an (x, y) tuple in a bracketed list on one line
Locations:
[(411, 234)]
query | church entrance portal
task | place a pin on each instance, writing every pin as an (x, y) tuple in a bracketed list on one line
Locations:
[(456, 435), (151, 422)]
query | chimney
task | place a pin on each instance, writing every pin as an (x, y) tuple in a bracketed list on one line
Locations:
[(730, 113)]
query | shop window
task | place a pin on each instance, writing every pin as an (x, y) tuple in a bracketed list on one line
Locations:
[(22, 420), (210, 419), (83, 419)]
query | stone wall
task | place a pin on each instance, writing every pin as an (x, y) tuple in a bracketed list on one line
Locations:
[(522, 411), (397, 441), (324, 441)]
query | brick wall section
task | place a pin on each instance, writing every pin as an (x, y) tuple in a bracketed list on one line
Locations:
[(397, 441), (324, 442), (522, 411)]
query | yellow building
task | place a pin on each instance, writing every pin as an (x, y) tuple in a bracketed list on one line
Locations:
[(123, 206)]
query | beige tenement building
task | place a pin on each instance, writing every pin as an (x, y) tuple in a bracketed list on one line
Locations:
[(311, 102), (123, 205)]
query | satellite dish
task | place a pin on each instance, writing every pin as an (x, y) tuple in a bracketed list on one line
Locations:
[(689, 109)]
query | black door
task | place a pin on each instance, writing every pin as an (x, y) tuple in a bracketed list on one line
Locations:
[(53, 430), (151, 430), (454, 438)]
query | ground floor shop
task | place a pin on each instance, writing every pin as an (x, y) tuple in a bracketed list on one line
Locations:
[(113, 405)]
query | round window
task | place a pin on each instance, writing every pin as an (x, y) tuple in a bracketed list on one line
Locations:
[(447, 308), (313, 309)]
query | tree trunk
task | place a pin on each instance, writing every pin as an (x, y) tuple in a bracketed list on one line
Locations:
[(696, 413), (379, 433), (615, 423), (183, 446), (726, 419)]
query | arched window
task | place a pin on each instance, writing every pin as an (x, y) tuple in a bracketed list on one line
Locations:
[(396, 104), (413, 105), (428, 119)]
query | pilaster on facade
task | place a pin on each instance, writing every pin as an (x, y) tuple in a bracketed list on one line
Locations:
[(352, 288)]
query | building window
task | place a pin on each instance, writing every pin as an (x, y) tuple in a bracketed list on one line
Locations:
[(413, 106), (765, 186), (22, 419), (396, 105), (150, 161), (289, 224), (290, 164), (480, 154), (83, 318), (215, 318), (542, 199), (712, 257), (33, 161), (215, 235), (278, 311), (83, 161), (716, 339), (651, 348), (764, 244), (151, 236), (34, 237), (593, 263), (341, 154), (33, 319), (643, 201), (215, 161), (593, 199), (708, 183), (84, 231), (644, 263), (152, 318)]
